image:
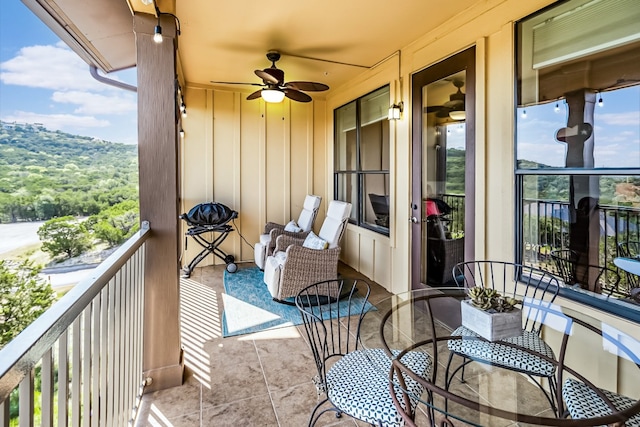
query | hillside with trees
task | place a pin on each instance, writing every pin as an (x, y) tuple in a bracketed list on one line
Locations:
[(46, 174)]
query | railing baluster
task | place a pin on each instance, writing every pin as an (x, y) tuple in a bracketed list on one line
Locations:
[(76, 366), (47, 389), (63, 380), (95, 361), (117, 349), (4, 413), (86, 366), (104, 355), (26, 401)]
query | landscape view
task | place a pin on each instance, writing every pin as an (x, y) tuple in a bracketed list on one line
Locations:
[(66, 202)]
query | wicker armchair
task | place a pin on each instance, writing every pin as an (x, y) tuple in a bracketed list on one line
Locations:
[(272, 230), (292, 266)]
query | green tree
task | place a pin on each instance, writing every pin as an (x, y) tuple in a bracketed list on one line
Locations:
[(65, 236), (117, 223), (23, 297)]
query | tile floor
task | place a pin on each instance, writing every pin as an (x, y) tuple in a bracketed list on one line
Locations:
[(264, 379)]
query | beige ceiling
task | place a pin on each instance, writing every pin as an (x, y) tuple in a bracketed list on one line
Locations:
[(227, 41)]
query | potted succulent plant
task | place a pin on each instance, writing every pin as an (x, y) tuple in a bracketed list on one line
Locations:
[(490, 314)]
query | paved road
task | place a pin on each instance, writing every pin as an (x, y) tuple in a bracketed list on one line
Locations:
[(14, 236)]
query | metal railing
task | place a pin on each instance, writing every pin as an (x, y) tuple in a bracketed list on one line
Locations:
[(456, 202), (80, 362), (546, 229)]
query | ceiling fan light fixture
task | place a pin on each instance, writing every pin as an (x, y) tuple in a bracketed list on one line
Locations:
[(272, 95), (458, 114)]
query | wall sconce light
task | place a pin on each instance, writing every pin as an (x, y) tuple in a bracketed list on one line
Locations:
[(395, 111), (272, 95)]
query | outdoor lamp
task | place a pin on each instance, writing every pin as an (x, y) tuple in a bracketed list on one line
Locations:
[(157, 33), (395, 111)]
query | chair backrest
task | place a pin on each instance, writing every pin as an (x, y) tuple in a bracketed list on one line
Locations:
[(593, 277), (335, 222), (320, 304), (565, 261), (630, 249), (309, 212), (513, 280)]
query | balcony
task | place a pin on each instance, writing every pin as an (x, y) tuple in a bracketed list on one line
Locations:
[(81, 362)]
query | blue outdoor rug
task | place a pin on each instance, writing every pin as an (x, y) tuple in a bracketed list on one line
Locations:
[(249, 307)]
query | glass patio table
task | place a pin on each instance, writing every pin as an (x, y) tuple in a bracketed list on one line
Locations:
[(587, 352)]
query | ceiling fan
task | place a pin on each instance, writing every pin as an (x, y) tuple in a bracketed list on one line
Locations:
[(274, 88), (454, 107)]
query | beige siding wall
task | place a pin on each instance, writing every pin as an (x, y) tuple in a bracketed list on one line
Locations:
[(259, 159)]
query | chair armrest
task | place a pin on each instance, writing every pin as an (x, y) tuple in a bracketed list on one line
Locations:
[(306, 266), (271, 226), (285, 239)]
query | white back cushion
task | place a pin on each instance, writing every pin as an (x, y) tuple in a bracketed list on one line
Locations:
[(309, 212), (335, 222)]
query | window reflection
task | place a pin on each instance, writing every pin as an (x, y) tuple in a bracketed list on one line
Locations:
[(578, 143)]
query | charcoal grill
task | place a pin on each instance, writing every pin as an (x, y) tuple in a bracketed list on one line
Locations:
[(209, 227)]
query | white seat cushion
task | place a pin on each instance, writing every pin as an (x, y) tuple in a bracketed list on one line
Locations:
[(335, 221), (309, 212), (504, 355), (272, 270), (259, 254), (583, 402), (265, 239), (358, 384)]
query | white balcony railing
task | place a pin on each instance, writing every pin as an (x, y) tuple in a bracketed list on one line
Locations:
[(80, 363)]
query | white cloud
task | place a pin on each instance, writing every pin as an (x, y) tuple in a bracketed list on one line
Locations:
[(629, 118), (57, 121), (49, 67), (92, 103)]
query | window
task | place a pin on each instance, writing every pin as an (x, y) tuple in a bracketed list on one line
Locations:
[(578, 147), (361, 165)]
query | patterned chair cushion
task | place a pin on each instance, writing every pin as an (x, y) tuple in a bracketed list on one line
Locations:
[(358, 384), (312, 241), (583, 402), (292, 227), (503, 355)]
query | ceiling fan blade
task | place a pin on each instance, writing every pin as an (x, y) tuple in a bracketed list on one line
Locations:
[(255, 95), (267, 77), (235, 83), (456, 103), (307, 86), (443, 113), (297, 95), (432, 108)]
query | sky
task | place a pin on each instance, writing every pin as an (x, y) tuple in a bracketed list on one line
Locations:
[(43, 81), (616, 131)]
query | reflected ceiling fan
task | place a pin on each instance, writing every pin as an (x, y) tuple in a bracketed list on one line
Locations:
[(274, 88), (454, 107)]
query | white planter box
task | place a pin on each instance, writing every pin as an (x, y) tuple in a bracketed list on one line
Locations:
[(492, 326)]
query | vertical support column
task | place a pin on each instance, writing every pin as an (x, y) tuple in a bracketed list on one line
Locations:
[(584, 190), (159, 199)]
